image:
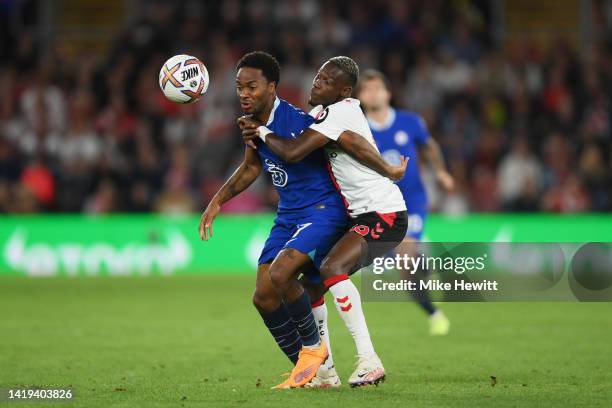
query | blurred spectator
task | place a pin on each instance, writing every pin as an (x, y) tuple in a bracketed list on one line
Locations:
[(524, 127), (175, 198), (597, 178), (23, 201), (104, 198), (569, 196), (37, 178), (519, 178)]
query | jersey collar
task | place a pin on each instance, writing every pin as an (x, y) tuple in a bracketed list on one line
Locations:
[(271, 118), (379, 127)]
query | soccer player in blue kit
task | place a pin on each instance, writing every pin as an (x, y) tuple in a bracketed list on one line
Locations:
[(311, 217), (403, 133)]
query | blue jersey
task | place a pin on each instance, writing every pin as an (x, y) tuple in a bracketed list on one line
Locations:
[(401, 136), (302, 185), (311, 215)]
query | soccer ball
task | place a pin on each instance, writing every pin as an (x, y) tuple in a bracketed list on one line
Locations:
[(183, 79)]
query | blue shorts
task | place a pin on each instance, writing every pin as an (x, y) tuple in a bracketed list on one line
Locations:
[(417, 213), (313, 232)]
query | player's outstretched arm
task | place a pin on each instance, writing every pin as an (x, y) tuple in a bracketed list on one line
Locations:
[(361, 150), (242, 178)]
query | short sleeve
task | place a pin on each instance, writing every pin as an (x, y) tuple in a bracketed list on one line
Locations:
[(332, 121), (421, 133)]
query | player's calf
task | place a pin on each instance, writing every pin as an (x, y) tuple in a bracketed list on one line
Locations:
[(275, 315), (335, 269), (283, 273)]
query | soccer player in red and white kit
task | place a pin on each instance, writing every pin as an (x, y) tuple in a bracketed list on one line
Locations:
[(375, 204)]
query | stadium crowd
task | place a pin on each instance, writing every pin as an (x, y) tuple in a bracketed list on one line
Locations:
[(523, 128)]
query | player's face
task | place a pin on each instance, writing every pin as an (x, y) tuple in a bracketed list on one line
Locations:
[(328, 86), (374, 94), (253, 90)]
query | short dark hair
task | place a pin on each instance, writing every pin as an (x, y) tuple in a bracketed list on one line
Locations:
[(261, 60), (348, 66), (370, 74)]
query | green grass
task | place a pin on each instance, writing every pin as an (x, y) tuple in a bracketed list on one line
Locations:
[(197, 341)]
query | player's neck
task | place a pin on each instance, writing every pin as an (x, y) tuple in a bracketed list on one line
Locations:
[(340, 98), (264, 115), (379, 116)]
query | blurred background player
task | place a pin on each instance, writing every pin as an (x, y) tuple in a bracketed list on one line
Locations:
[(404, 133)]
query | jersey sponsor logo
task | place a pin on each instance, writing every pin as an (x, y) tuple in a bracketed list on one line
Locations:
[(401, 138), (321, 116), (279, 175)]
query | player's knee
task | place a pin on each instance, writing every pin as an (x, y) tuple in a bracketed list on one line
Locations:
[(265, 301), (279, 279), (330, 268)]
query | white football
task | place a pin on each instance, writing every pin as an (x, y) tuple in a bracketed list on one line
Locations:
[(183, 79)]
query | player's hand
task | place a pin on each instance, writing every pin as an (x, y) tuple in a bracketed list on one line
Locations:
[(250, 130), (446, 180), (244, 120), (396, 172), (248, 127), (206, 220)]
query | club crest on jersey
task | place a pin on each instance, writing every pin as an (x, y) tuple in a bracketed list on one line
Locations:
[(279, 175), (401, 137), (321, 116)]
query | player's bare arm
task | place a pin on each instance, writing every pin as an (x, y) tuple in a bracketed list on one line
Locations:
[(240, 180), (361, 150), (433, 155), (290, 150), (295, 149)]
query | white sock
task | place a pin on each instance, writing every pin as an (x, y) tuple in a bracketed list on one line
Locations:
[(348, 304), (320, 316)]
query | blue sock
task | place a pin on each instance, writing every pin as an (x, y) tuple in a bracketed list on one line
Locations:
[(427, 305), (284, 331), (301, 313), (422, 298)]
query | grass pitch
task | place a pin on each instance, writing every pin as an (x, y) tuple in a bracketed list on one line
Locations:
[(197, 341)]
